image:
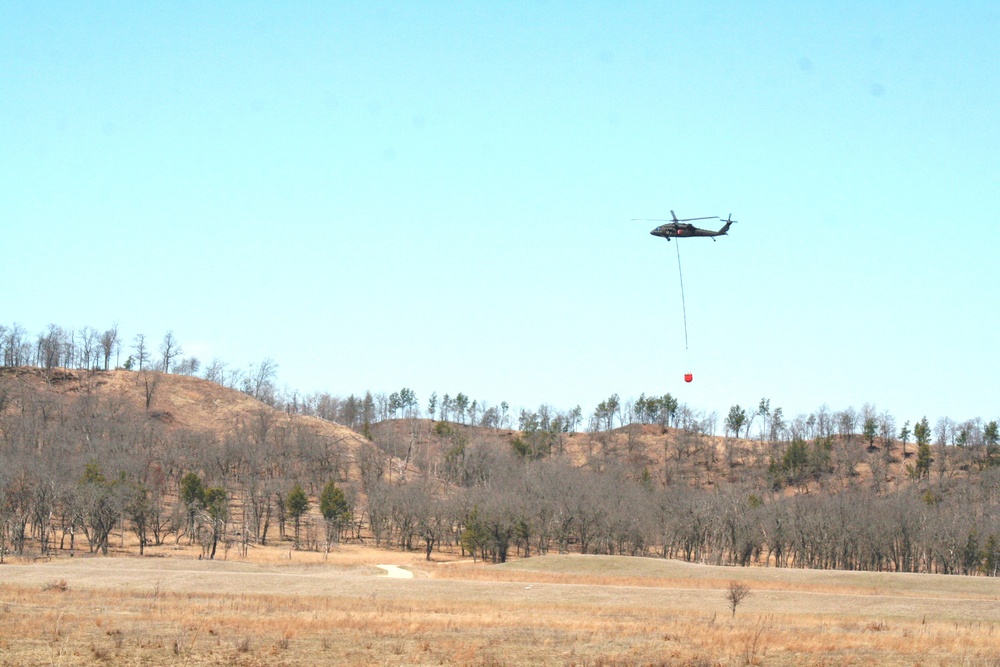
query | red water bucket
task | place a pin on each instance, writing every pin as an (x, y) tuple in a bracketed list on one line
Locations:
[(688, 377)]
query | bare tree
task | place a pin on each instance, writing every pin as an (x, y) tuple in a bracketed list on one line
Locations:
[(51, 347), (847, 423), (170, 349), (372, 464), (150, 382), (141, 349), (886, 430), (945, 431), (736, 593), (109, 341), (259, 380), (15, 346), (187, 366), (89, 342)]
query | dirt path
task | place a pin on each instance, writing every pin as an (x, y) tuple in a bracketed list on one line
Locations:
[(396, 572)]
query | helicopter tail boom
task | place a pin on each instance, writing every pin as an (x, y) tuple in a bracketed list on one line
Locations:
[(725, 227)]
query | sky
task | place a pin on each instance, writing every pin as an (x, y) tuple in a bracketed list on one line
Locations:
[(440, 196)]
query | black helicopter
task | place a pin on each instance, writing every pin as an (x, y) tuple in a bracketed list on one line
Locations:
[(681, 228)]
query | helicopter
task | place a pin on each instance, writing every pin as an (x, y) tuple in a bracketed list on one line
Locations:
[(678, 228), (682, 227)]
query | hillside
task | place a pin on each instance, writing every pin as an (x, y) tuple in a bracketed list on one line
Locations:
[(422, 446), (670, 455), (173, 402), (88, 453)]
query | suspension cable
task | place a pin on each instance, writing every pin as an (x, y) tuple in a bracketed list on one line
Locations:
[(677, 242)]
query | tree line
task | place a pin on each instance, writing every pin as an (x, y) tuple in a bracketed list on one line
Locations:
[(833, 489), (100, 467), (91, 348)]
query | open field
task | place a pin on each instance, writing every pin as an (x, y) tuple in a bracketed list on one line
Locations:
[(297, 608)]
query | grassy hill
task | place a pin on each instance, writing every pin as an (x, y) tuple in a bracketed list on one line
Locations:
[(420, 446), (170, 403), (87, 453)]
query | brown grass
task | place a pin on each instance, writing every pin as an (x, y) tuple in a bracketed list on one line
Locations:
[(556, 610), (185, 402), (179, 401)]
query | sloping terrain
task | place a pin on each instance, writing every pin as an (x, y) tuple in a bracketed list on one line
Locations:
[(113, 451), (174, 401), (666, 454), (669, 454)]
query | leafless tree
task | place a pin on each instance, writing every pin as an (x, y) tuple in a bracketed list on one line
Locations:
[(847, 423), (736, 593), (16, 349), (886, 432), (169, 349), (109, 342), (945, 431), (259, 380), (52, 348), (141, 350), (216, 372), (372, 464), (89, 342), (150, 381)]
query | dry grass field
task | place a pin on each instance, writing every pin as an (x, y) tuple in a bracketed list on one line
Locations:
[(283, 607)]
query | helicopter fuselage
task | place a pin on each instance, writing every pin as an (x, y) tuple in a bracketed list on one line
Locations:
[(673, 231), (678, 228)]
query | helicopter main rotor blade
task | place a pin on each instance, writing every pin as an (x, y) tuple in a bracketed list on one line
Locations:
[(710, 217)]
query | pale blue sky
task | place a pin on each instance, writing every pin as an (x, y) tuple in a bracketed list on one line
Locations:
[(438, 195)]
